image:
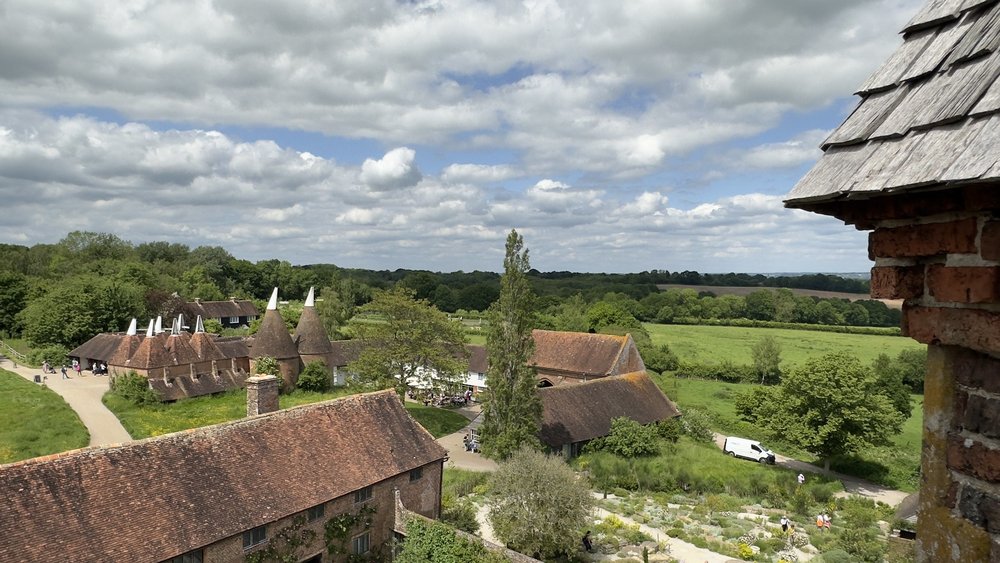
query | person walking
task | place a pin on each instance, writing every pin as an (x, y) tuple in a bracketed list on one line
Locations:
[(784, 524), (587, 545), (63, 370), (826, 521), (802, 479)]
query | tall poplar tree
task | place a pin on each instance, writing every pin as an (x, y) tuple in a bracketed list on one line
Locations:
[(512, 410)]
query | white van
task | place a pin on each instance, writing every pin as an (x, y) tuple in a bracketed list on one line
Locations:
[(749, 449)]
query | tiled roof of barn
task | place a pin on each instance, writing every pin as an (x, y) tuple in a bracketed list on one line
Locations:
[(157, 498), (577, 352), (272, 338), (929, 117), (101, 347), (310, 335), (220, 309), (478, 359), (573, 413), (205, 347), (127, 346), (233, 347)]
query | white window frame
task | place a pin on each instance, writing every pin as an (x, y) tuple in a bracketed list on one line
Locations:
[(248, 537), (361, 544)]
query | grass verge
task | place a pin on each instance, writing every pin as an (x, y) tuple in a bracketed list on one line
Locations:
[(156, 420), (35, 421)]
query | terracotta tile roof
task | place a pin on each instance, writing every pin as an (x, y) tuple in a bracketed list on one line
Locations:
[(310, 334), (928, 118), (579, 353), (573, 413), (205, 348), (157, 498), (233, 347), (127, 347), (101, 347), (272, 338), (220, 309), (186, 386)]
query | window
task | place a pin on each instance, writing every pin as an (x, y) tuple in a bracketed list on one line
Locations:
[(234, 320), (481, 376), (196, 556), (360, 545), (316, 512), (363, 495), (416, 474), (254, 536)]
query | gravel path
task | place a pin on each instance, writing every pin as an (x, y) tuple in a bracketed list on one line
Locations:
[(83, 394)]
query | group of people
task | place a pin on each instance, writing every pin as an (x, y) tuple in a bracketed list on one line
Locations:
[(471, 443)]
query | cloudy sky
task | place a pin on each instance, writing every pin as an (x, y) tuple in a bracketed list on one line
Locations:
[(615, 136)]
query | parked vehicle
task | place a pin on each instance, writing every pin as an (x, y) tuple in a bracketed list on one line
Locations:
[(748, 449)]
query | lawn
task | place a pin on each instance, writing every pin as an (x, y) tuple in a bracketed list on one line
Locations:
[(146, 421), (35, 421), (713, 344), (892, 466)]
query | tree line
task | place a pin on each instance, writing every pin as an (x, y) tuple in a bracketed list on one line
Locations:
[(88, 283)]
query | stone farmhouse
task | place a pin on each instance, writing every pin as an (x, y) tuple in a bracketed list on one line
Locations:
[(223, 493), (572, 415), (918, 164), (233, 313), (575, 357)]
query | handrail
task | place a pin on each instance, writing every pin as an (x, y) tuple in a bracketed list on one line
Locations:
[(10, 352)]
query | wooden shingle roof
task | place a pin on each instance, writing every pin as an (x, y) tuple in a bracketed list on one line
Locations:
[(574, 413), (153, 499), (928, 118)]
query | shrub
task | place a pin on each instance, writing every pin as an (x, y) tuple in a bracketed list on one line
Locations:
[(628, 438), (695, 424), (669, 429), (134, 388), (315, 377), (54, 353), (459, 513)]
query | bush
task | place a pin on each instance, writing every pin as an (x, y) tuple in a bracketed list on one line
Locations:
[(54, 353), (315, 377), (134, 388), (695, 424), (836, 556), (670, 430), (628, 438), (459, 513)]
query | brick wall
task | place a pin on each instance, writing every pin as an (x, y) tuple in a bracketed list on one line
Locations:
[(946, 268), (421, 496)]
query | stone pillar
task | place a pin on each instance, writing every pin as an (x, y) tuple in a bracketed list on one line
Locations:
[(262, 394), (946, 268)]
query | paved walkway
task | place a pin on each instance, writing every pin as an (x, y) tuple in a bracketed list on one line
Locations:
[(83, 393), (458, 457)]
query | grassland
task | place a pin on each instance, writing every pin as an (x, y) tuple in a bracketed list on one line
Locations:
[(147, 421), (892, 466), (713, 344), (35, 421)]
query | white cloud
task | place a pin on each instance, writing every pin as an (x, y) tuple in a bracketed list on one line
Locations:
[(478, 173), (802, 149), (395, 170)]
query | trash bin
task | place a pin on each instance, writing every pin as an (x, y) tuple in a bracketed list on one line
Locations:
[(38, 378)]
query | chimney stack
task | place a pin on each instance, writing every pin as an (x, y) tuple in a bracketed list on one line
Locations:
[(262, 394)]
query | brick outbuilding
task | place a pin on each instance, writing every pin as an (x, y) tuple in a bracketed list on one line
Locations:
[(918, 164)]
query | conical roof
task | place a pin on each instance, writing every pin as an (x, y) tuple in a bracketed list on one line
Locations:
[(272, 338), (126, 346), (310, 334), (204, 344)]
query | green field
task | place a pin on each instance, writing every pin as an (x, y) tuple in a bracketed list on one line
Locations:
[(147, 421), (892, 466), (35, 421), (713, 344)]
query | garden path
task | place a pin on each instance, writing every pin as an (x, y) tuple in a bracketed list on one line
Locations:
[(458, 457), (83, 394), (852, 485), (679, 550)]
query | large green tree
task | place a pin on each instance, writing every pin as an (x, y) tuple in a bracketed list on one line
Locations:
[(766, 354), (512, 410), (406, 342), (536, 505), (830, 406)]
